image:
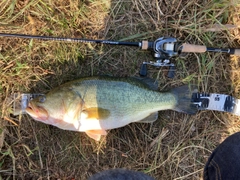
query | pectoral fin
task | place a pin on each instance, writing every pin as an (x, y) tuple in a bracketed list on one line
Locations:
[(96, 134), (96, 113), (149, 119)]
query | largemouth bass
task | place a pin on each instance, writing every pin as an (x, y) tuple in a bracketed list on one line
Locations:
[(96, 104)]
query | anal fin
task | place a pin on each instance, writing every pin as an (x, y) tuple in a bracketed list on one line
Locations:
[(150, 119)]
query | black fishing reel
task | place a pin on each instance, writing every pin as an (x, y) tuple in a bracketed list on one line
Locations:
[(164, 48)]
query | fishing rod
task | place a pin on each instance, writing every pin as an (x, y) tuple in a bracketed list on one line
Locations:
[(164, 48)]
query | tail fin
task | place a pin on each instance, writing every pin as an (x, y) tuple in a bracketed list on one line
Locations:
[(184, 95)]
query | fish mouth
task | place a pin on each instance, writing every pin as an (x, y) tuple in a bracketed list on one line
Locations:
[(30, 109), (36, 112)]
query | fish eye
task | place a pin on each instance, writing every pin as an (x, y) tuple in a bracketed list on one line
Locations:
[(42, 99)]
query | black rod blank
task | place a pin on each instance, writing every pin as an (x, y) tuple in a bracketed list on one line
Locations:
[(77, 40)]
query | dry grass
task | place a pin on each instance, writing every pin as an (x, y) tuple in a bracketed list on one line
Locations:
[(175, 147)]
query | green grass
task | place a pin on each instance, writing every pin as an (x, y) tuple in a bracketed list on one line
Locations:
[(174, 147)]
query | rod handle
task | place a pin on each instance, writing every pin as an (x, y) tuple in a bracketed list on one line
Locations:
[(193, 48), (145, 45), (235, 52)]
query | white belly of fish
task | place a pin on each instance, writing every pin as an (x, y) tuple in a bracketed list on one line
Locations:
[(115, 120)]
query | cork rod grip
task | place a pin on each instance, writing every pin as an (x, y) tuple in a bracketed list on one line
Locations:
[(237, 52), (144, 45), (193, 48)]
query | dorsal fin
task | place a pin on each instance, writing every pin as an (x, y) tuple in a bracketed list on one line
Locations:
[(149, 82)]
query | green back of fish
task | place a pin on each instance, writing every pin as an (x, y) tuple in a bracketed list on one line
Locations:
[(128, 95)]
